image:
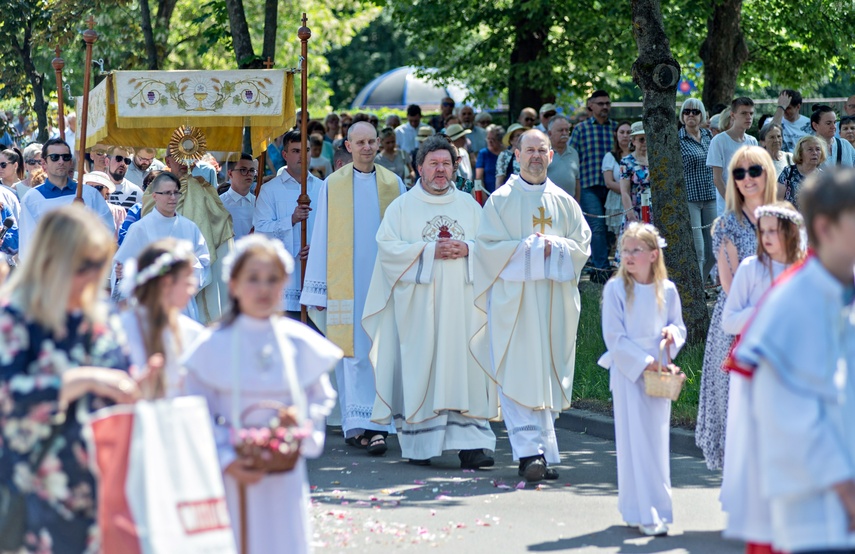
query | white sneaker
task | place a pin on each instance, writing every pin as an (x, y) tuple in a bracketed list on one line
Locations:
[(654, 530)]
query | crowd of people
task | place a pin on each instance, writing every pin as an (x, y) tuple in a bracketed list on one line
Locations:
[(442, 279)]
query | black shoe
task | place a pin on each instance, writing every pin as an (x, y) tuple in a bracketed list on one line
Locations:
[(534, 468), (474, 459), (415, 462)]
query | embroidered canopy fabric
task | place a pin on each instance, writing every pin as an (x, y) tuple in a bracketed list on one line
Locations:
[(143, 108)]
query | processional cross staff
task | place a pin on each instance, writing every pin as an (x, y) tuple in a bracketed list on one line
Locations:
[(89, 37), (58, 63)]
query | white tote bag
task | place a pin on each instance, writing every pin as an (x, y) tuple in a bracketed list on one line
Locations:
[(160, 483)]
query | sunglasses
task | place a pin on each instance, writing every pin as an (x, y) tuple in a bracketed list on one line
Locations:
[(247, 171), (100, 152), (32, 162), (90, 265), (120, 159), (169, 193), (448, 104), (4, 164), (56, 157), (753, 171), (690, 111)]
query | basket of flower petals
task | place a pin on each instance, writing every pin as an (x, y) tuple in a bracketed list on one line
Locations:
[(274, 448)]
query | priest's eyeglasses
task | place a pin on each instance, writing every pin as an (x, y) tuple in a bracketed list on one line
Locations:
[(169, 193), (247, 171)]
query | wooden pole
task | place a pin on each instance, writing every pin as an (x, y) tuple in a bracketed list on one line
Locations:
[(304, 35), (89, 37), (58, 63)]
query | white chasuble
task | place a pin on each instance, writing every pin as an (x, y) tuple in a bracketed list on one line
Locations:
[(532, 302), (354, 375), (420, 313)]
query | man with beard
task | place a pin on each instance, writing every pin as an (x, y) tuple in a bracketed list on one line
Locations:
[(351, 204), (420, 316), (126, 194), (144, 162), (529, 252)]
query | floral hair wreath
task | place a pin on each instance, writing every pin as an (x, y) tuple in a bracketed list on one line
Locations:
[(161, 265), (781, 213), (660, 241), (244, 244)]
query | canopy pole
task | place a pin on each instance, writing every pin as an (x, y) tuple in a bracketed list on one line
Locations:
[(58, 63), (89, 37), (304, 34)]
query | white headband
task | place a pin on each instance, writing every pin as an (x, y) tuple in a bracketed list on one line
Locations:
[(243, 244), (781, 213), (132, 279)]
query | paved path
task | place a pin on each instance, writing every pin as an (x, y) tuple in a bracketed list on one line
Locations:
[(384, 504)]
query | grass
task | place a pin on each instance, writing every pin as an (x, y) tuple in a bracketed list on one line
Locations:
[(591, 382)]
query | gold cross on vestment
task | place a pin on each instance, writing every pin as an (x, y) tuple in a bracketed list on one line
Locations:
[(543, 221)]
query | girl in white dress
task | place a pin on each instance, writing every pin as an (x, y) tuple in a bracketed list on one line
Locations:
[(252, 358), (161, 282), (778, 246), (641, 308)]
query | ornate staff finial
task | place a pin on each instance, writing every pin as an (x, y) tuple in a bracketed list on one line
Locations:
[(269, 63)]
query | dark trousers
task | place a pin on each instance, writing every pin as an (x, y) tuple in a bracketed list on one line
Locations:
[(593, 201)]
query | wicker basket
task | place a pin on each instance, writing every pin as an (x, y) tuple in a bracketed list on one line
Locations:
[(275, 448), (667, 382)]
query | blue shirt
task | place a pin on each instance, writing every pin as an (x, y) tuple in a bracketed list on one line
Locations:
[(487, 161), (10, 240), (592, 141), (134, 214), (49, 190)]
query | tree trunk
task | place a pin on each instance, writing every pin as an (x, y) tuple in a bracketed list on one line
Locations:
[(723, 52), (148, 33), (657, 73), (244, 53), (165, 8), (24, 51), (529, 46), (271, 13)]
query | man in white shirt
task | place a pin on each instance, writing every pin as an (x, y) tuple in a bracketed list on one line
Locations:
[(144, 162), (126, 194), (58, 190), (406, 134), (478, 138), (547, 112), (238, 199), (278, 215), (725, 144), (793, 124)]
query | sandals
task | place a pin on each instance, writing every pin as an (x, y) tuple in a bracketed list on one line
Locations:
[(356, 441), (377, 445)]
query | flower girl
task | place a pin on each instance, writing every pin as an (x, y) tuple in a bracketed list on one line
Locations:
[(247, 368), (641, 310)]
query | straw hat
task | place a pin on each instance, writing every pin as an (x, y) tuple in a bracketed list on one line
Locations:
[(506, 140), (425, 132), (636, 129), (456, 131)]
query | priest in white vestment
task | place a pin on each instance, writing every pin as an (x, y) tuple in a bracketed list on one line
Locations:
[(351, 204), (278, 215), (57, 191), (420, 315), (163, 222), (529, 252)]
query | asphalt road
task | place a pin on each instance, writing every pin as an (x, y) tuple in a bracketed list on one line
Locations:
[(384, 504)]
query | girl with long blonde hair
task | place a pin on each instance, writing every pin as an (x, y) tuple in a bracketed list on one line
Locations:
[(641, 316)]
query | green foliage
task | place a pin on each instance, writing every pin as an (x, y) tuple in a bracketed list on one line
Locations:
[(591, 382)]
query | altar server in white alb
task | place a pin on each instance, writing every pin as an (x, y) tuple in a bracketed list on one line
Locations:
[(58, 190), (641, 309), (160, 223), (529, 252), (420, 315), (350, 206), (778, 246), (801, 348), (278, 215), (252, 360)]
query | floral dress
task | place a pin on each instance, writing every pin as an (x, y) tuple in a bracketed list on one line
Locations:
[(715, 382), (60, 497), (639, 182), (792, 180)]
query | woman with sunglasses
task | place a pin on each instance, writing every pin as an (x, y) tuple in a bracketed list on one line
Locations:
[(60, 355), (810, 154), (700, 188), (750, 184), (11, 168), (32, 165)]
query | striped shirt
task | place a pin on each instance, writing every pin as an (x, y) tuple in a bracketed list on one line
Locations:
[(592, 141)]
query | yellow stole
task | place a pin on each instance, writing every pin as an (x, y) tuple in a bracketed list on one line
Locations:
[(340, 248)]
